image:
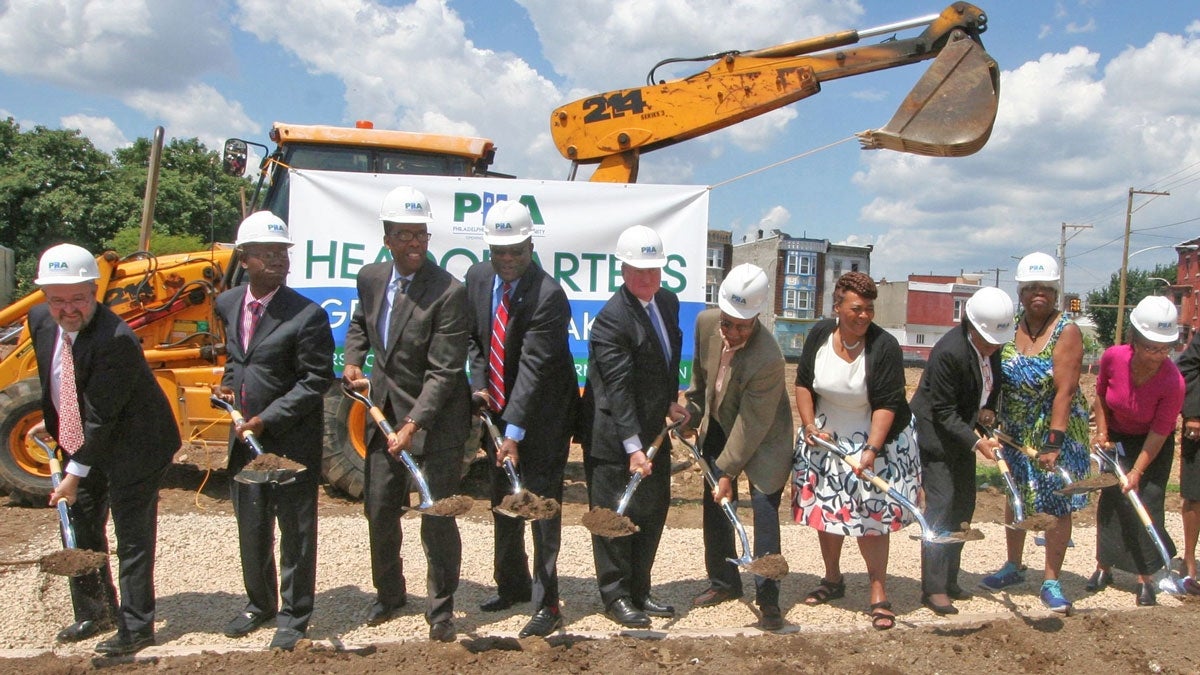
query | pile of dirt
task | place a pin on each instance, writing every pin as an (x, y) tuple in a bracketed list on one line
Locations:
[(528, 505), (771, 566), (271, 462), (608, 523), (454, 505), (72, 562)]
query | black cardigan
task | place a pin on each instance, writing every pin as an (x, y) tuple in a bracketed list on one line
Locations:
[(885, 371)]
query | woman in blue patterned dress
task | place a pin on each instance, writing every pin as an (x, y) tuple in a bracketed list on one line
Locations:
[(1042, 407), (850, 390)]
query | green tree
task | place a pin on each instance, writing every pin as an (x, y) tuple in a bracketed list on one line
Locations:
[(1102, 302)]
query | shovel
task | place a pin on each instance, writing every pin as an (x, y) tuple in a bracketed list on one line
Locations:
[(519, 503), (772, 565), (1029, 452), (251, 474), (607, 523), (451, 506), (927, 532), (1036, 522), (1169, 581), (64, 516)]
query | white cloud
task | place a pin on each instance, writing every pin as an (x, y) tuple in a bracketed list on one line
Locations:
[(113, 46), (101, 131), (198, 110)]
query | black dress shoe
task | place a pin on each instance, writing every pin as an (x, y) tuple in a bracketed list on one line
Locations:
[(1145, 595), (623, 612), (442, 631), (499, 603), (1098, 581), (940, 610), (286, 639), (123, 644), (382, 612), (959, 593), (771, 619), (245, 623), (652, 606), (714, 596), (81, 630), (544, 622)]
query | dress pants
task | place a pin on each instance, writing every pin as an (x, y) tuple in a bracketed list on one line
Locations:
[(386, 496), (719, 533), (541, 472), (257, 507), (623, 564), (949, 502)]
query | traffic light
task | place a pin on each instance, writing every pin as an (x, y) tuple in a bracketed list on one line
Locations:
[(1074, 305)]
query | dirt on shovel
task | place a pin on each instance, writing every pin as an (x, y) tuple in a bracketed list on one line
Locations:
[(528, 505), (771, 566), (271, 462), (1038, 522), (72, 562), (1089, 484), (455, 505), (608, 523)]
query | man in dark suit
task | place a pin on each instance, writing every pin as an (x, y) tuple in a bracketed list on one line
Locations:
[(278, 367), (531, 392), (102, 404), (739, 394), (413, 315), (632, 386), (960, 384)]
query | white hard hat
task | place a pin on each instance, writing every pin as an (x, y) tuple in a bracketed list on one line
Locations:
[(990, 311), (66, 264), (640, 246), (405, 205), (262, 227), (743, 292), (1155, 318), (507, 223), (1037, 267)]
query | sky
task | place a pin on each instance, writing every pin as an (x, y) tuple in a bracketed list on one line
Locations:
[(1096, 97)]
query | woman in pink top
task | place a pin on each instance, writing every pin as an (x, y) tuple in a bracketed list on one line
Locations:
[(1139, 393)]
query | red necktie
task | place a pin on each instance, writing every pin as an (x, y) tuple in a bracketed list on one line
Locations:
[(70, 424), (496, 357), (255, 308)]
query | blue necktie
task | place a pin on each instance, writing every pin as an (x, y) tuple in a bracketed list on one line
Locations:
[(659, 330)]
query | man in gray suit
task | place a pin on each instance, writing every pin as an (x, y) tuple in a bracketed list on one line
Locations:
[(739, 394), (523, 373), (279, 364), (632, 386), (413, 315)]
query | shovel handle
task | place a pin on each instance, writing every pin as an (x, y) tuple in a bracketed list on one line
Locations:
[(64, 515), (238, 420), (636, 478)]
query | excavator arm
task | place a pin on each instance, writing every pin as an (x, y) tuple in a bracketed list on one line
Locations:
[(950, 112)]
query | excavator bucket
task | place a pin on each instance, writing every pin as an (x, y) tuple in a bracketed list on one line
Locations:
[(951, 110)]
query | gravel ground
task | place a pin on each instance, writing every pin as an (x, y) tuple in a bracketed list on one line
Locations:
[(199, 586)]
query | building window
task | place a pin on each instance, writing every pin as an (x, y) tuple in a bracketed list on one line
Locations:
[(958, 309), (854, 266), (837, 268), (710, 292), (793, 263), (919, 338), (716, 258), (806, 265), (794, 299)]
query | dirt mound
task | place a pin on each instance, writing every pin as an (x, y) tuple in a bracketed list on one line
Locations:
[(528, 505), (607, 523), (71, 562), (455, 505)]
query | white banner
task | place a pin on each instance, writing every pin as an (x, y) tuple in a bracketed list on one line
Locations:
[(334, 220)]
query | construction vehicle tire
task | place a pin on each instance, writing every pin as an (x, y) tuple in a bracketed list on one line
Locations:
[(343, 457), (24, 469)]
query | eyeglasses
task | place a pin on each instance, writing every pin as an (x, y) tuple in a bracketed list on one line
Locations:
[(267, 256), (1155, 349), (509, 251), (409, 235), (746, 327), (1038, 288), (79, 301)]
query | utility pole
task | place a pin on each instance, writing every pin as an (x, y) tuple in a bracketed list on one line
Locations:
[(997, 270), (1062, 263), (1125, 260)]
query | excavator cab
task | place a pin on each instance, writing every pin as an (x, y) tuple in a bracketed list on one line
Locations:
[(949, 113)]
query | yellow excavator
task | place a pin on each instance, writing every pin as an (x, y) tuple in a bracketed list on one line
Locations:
[(949, 112)]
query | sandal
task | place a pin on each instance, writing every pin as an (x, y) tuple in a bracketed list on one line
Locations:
[(826, 591), (879, 619)]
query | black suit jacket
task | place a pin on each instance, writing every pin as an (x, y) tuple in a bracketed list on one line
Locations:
[(129, 428), (420, 372), (1189, 367), (285, 371), (630, 385), (541, 388), (946, 404)]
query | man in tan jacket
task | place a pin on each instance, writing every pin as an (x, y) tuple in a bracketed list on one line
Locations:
[(739, 394)]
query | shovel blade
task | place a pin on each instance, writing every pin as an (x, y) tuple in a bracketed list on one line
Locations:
[(950, 111), (253, 477)]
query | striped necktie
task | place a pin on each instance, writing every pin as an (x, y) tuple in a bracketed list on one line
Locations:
[(496, 351)]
